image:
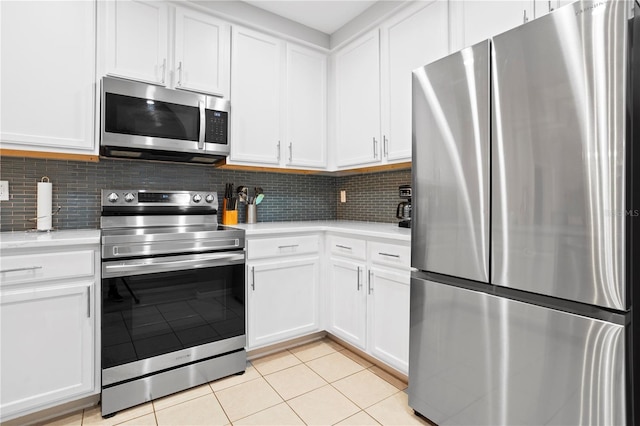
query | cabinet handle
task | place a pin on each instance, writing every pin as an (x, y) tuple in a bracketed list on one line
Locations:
[(29, 268), (290, 152), (375, 148), (385, 145), (525, 19), (358, 282), (88, 302), (179, 83), (253, 278), (370, 285), (343, 247), (389, 255), (278, 149), (551, 9), (289, 246), (164, 68)]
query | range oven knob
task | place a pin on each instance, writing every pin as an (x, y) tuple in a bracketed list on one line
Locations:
[(209, 198), (129, 197), (113, 197), (197, 198)]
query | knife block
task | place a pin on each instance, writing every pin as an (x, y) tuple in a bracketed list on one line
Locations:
[(229, 217)]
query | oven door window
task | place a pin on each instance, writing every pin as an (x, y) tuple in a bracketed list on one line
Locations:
[(154, 314)]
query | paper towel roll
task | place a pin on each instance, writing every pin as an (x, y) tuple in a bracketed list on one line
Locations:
[(45, 198)]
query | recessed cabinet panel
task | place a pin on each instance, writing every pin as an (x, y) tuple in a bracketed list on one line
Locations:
[(47, 345), (306, 105), (389, 319), (283, 300), (48, 58), (255, 90), (348, 301), (202, 53), (137, 33), (358, 102), (408, 41)]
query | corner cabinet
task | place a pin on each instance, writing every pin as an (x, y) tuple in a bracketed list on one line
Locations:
[(49, 312), (176, 47), (279, 99), (368, 297), (48, 59), (282, 289)]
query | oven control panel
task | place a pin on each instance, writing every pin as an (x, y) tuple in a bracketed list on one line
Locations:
[(141, 198)]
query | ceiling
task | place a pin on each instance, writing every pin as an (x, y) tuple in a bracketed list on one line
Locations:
[(323, 15)]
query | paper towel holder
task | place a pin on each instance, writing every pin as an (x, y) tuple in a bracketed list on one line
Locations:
[(49, 215)]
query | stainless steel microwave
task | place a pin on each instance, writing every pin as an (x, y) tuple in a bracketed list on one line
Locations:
[(154, 123)]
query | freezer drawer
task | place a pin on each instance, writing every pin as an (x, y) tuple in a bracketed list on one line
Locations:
[(478, 359), (558, 154)]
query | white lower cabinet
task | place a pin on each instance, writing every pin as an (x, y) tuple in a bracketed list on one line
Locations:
[(389, 316), (368, 297), (47, 344), (347, 304), (282, 289), (49, 327)]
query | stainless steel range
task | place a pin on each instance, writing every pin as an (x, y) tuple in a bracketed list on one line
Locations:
[(173, 295)]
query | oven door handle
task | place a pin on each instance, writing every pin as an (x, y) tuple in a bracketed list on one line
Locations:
[(177, 263)]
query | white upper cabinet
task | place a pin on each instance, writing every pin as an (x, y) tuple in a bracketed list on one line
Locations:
[(279, 100), (415, 37), (142, 44), (136, 40), (542, 7), (357, 91), (202, 49), (256, 92), (48, 58), (306, 106), (474, 21)]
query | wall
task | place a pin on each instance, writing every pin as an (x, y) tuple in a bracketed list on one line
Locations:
[(77, 185), (371, 197)]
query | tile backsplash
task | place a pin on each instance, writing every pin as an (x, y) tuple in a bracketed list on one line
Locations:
[(288, 197), (371, 197)]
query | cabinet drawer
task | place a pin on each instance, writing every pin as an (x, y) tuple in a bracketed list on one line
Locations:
[(46, 266), (348, 247), (390, 254), (287, 246)]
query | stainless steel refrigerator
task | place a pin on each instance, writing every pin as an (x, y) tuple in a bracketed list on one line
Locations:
[(525, 212)]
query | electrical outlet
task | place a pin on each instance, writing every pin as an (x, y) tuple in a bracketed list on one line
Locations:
[(4, 190), (343, 196)]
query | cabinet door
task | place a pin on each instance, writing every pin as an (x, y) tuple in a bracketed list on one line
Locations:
[(306, 105), (255, 90), (358, 102), (202, 53), (47, 351), (542, 7), (137, 34), (348, 301), (410, 40), (475, 21), (48, 58), (283, 300), (389, 316)]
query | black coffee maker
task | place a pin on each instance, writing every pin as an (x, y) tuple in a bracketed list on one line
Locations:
[(403, 211)]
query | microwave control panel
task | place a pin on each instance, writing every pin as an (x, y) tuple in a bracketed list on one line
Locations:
[(217, 124)]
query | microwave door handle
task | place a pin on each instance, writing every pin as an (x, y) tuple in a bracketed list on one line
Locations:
[(203, 125)]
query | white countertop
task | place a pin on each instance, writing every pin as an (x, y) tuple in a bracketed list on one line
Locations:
[(365, 229), (32, 239)]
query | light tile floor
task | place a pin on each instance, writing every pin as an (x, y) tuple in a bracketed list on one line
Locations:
[(320, 383)]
